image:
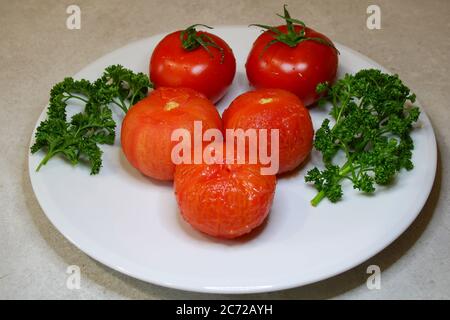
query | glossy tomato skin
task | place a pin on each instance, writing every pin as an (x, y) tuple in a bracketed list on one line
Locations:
[(275, 109), (223, 200), (173, 66), (298, 69), (148, 126)]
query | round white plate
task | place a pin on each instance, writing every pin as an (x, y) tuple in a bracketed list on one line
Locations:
[(132, 224)]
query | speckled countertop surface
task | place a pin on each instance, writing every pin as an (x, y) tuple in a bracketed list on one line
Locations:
[(37, 50)]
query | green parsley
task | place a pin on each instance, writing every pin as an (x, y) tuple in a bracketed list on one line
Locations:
[(373, 118), (78, 139)]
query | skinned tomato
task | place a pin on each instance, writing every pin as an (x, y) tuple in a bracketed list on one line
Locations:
[(148, 126), (296, 67), (223, 200), (207, 70), (274, 109)]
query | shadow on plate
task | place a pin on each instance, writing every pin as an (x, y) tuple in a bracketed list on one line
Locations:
[(133, 172), (203, 237)]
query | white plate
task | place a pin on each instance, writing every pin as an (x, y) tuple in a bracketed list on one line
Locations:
[(132, 223)]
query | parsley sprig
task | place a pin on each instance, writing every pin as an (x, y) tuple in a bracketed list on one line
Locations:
[(78, 138), (374, 116)]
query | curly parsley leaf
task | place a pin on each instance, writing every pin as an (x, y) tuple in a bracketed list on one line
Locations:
[(373, 118), (78, 139)]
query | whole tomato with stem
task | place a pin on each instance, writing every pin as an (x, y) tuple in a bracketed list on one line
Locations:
[(194, 59), (292, 57)]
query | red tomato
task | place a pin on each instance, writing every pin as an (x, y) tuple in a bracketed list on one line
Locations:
[(223, 200), (298, 69), (149, 124), (275, 109), (208, 71)]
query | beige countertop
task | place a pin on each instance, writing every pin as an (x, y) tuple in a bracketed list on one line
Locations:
[(37, 50)]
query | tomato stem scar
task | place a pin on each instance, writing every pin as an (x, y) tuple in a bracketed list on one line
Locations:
[(265, 100), (171, 105)]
